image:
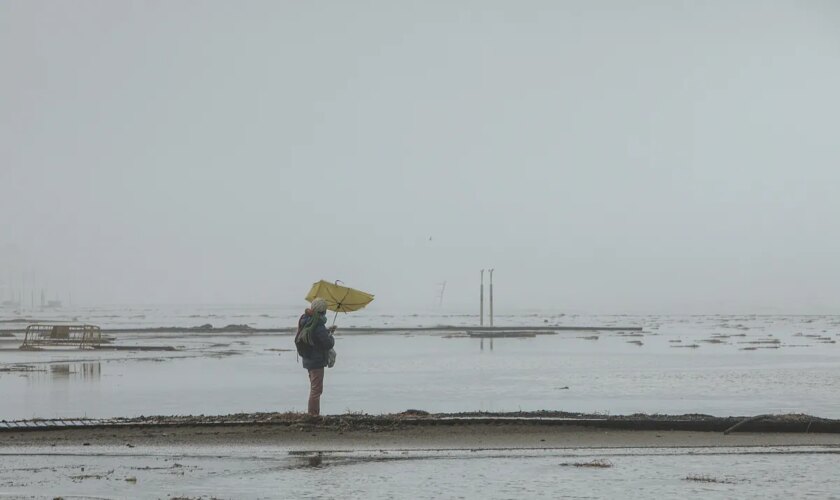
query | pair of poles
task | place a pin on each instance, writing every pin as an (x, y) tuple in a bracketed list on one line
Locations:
[(481, 303)]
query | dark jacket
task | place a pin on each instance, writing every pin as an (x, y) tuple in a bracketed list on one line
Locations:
[(315, 356)]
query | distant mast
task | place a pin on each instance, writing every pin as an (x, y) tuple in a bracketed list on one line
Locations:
[(481, 301), (491, 297)]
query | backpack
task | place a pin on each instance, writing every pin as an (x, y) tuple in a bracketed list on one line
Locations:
[(301, 346)]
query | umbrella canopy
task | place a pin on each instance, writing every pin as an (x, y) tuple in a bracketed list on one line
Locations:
[(339, 298)]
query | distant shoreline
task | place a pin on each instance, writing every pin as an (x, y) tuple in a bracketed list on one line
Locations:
[(351, 329)]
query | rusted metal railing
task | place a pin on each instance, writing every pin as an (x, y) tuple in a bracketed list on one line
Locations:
[(81, 336)]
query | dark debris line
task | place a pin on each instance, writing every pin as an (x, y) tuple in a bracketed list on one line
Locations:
[(699, 423)]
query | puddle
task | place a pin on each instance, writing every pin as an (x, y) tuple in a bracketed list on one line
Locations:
[(781, 472)]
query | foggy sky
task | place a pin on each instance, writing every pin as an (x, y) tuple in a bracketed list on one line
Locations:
[(604, 157)]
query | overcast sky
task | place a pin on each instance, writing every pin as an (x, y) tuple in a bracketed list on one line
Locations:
[(604, 157)]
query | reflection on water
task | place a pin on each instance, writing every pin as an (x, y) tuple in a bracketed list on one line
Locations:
[(491, 344), (88, 372)]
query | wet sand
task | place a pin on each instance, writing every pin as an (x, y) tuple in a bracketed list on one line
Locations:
[(474, 461), (314, 434)]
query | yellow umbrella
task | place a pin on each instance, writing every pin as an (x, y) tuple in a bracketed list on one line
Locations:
[(339, 298)]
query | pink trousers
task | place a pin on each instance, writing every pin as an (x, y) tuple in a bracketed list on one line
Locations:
[(316, 387)]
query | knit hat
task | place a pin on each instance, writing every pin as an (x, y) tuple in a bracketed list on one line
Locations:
[(319, 305)]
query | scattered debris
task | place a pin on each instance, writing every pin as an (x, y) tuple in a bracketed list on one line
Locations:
[(82, 477), (762, 341), (708, 479), (21, 368), (599, 463)]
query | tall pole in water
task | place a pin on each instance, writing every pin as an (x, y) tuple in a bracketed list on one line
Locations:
[(491, 297), (481, 302)]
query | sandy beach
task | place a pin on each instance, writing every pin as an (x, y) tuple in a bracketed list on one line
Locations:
[(315, 436)]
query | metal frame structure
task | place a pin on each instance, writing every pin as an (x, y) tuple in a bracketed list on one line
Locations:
[(80, 336)]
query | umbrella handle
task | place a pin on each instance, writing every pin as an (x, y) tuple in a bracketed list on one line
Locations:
[(336, 313)]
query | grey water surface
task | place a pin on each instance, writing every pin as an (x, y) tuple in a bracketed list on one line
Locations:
[(705, 364)]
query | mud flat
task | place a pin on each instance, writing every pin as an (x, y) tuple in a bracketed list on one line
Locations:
[(412, 455), (418, 429)]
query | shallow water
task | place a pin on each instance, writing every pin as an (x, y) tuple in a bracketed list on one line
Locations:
[(740, 366), (778, 472)]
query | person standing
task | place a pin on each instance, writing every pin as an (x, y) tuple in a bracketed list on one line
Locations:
[(314, 341)]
